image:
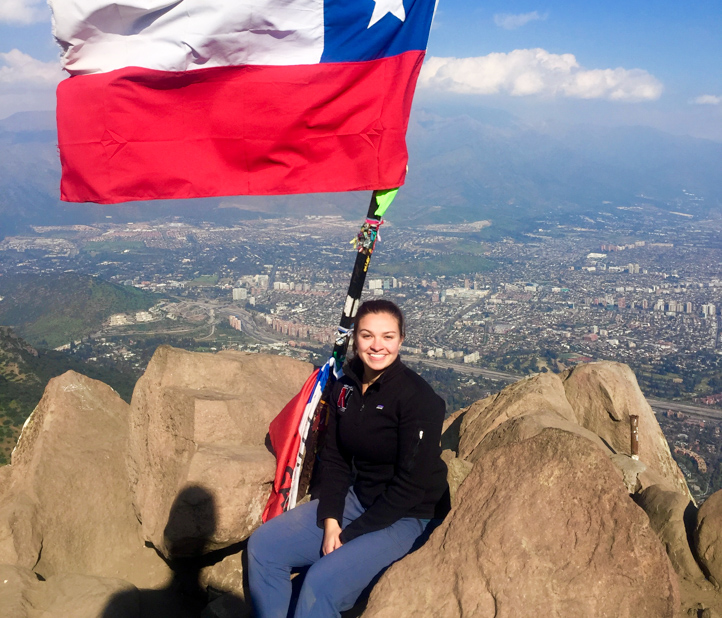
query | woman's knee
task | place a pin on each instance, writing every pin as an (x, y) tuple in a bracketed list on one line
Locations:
[(258, 545), (327, 589), (317, 595)]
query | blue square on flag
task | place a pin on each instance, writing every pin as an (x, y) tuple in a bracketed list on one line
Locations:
[(356, 30)]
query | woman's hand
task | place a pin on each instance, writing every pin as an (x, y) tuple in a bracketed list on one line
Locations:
[(331, 536)]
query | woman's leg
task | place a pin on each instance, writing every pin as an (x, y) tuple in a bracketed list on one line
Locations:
[(334, 582), (289, 540)]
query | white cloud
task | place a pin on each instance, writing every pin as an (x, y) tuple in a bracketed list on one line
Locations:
[(525, 72), (707, 99), (509, 21), (23, 11), (18, 70), (26, 84)]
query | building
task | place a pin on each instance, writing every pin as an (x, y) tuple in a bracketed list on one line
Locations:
[(240, 293)]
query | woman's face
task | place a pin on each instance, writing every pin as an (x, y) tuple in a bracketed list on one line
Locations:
[(378, 340)]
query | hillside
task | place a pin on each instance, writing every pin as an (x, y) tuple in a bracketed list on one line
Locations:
[(24, 372), (20, 388), (52, 310)]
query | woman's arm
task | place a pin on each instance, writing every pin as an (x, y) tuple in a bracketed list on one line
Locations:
[(335, 471)]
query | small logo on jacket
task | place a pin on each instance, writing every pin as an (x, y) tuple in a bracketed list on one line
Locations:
[(343, 397)]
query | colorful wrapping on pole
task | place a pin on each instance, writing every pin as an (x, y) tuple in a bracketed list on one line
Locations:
[(296, 433)]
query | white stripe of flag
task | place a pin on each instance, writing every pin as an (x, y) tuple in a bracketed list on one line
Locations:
[(99, 36)]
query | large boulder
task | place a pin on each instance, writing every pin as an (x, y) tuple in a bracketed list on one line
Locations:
[(708, 537), (198, 431), (603, 396), (69, 492), (594, 400), (542, 392), (671, 516), (541, 527)]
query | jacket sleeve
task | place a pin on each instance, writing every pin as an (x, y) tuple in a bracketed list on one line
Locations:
[(420, 422), (335, 469)]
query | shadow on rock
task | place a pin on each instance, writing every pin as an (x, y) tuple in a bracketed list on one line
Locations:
[(191, 524)]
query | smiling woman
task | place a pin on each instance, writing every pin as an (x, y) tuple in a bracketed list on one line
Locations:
[(382, 482)]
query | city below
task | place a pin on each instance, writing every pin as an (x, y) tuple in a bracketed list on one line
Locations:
[(642, 287)]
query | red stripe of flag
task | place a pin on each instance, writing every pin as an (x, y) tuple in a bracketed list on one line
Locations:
[(140, 134)]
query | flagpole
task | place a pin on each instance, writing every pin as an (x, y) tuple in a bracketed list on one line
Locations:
[(358, 278), (365, 243)]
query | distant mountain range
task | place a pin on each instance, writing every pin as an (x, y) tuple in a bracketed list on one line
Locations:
[(468, 165)]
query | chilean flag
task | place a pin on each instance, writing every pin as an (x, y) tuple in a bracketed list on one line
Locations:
[(199, 98)]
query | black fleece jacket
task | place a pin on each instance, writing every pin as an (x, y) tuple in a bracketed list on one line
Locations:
[(390, 438)]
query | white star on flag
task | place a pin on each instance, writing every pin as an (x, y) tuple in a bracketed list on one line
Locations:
[(395, 7)]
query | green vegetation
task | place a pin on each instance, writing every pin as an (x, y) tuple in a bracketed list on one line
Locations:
[(472, 248), (453, 264), (52, 310), (24, 372), (204, 280), (114, 246), (681, 375)]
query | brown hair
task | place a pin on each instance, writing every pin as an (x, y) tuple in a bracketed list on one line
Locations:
[(379, 306)]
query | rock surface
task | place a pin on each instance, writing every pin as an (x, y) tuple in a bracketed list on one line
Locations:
[(458, 469), (540, 473), (200, 420), (670, 514), (708, 537), (542, 527), (69, 491), (225, 576), (603, 396), (543, 392), (66, 595), (594, 400), (227, 606)]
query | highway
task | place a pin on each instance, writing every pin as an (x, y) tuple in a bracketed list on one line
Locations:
[(659, 404)]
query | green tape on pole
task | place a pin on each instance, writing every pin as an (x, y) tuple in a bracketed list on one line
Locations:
[(384, 199)]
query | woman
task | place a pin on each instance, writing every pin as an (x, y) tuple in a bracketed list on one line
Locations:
[(381, 479)]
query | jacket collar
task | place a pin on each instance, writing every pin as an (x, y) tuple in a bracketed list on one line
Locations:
[(354, 369)]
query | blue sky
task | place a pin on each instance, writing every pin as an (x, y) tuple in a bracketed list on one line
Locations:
[(615, 63)]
